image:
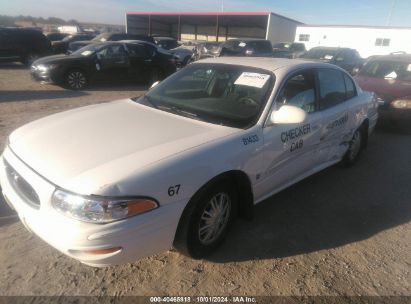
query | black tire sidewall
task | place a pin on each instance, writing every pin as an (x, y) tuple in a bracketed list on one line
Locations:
[(195, 248), (155, 75), (348, 161)]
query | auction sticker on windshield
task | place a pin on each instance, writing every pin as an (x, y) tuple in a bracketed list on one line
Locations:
[(252, 79)]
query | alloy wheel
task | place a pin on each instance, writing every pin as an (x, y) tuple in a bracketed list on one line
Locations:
[(214, 218)]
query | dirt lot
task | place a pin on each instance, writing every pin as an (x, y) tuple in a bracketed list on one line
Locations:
[(340, 232)]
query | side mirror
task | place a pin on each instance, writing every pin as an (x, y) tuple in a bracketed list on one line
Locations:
[(288, 114), (154, 84)]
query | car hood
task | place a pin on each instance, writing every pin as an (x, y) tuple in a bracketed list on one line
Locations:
[(58, 58), (64, 146), (390, 87)]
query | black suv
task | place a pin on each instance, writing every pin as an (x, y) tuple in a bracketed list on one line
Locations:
[(61, 47), (247, 47), (74, 46), (24, 45), (346, 58)]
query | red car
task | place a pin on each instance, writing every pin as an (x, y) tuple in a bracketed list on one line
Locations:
[(390, 78)]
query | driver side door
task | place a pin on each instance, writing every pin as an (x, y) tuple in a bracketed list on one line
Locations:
[(289, 149), (112, 63)]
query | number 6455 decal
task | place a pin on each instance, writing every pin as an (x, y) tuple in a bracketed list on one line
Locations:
[(173, 190)]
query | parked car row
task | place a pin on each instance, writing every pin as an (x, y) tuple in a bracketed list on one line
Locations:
[(148, 59)]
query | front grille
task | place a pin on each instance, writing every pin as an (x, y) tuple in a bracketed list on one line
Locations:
[(22, 187)]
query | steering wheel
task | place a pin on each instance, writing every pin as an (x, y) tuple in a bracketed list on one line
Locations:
[(248, 101)]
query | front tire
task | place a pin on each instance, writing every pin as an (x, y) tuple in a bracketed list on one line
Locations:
[(76, 80), (206, 220), (155, 75)]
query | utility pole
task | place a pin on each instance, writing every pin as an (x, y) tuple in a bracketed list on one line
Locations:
[(393, 3), (222, 5)]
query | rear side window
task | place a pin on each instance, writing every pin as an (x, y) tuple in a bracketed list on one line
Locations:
[(350, 87), (138, 51), (332, 88)]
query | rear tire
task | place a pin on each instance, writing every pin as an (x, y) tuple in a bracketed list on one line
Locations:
[(355, 148), (206, 220), (75, 80), (29, 59)]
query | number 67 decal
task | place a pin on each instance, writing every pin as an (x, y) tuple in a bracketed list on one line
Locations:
[(173, 190)]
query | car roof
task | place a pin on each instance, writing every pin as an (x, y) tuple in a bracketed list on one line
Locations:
[(396, 57), (267, 63), (135, 41), (330, 48), (163, 38), (246, 39)]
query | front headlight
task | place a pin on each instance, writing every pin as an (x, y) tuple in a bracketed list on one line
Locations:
[(95, 209), (401, 104), (45, 68)]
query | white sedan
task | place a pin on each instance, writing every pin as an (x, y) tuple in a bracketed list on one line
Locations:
[(111, 183)]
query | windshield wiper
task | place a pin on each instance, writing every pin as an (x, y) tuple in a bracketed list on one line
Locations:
[(179, 111), (147, 100)]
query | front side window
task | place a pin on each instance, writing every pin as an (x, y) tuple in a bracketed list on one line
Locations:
[(299, 91), (111, 52), (332, 88), (221, 94)]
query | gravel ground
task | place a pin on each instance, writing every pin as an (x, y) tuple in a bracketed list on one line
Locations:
[(339, 232)]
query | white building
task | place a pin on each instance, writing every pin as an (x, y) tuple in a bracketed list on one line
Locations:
[(367, 40)]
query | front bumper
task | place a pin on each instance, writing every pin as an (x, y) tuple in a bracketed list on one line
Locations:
[(41, 76), (138, 236), (393, 114)]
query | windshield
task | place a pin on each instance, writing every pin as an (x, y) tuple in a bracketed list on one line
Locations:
[(388, 70), (221, 94), (101, 37), (234, 47), (88, 49), (322, 54), (282, 46), (212, 46), (67, 38)]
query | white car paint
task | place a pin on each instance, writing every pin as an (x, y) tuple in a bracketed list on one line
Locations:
[(126, 149)]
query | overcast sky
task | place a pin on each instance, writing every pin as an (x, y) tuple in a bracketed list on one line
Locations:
[(353, 12)]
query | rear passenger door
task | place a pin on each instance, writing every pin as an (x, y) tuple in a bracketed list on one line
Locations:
[(336, 93), (140, 60)]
